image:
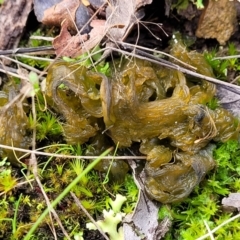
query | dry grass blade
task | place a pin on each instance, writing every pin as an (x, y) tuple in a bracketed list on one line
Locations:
[(154, 51), (218, 227), (68, 156), (20, 64), (33, 166), (78, 203), (33, 50), (209, 230), (36, 58)]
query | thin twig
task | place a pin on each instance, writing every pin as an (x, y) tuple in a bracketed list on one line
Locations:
[(226, 57), (33, 50), (50, 39), (235, 79), (33, 165), (34, 57), (21, 64), (156, 52), (88, 215), (218, 227), (69, 156), (165, 63), (11, 72), (209, 230)]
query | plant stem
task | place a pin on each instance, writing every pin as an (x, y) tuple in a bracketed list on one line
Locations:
[(14, 222)]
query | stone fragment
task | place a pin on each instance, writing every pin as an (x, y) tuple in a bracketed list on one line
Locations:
[(218, 20)]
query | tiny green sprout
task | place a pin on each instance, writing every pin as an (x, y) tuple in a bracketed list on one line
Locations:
[(27, 201), (77, 166), (62, 86), (131, 188), (164, 212), (213, 103), (128, 208), (47, 125), (4, 162), (220, 67), (7, 181), (198, 3), (60, 169), (40, 206), (116, 187), (232, 51), (77, 149), (33, 79), (80, 189), (88, 204), (183, 4)]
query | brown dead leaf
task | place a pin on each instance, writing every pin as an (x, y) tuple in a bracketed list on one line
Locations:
[(119, 13), (73, 46), (41, 5), (123, 13), (95, 36), (67, 45), (65, 10)]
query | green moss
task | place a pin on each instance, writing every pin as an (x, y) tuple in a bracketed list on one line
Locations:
[(224, 67)]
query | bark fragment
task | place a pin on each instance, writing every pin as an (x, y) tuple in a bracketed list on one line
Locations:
[(14, 14)]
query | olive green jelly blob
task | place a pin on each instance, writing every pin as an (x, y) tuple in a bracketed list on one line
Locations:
[(14, 125), (160, 108)]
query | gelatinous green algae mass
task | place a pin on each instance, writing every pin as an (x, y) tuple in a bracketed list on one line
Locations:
[(155, 106), (140, 111), (14, 127), (75, 92), (173, 182)]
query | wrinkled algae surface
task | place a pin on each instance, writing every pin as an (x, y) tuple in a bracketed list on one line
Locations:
[(14, 124), (155, 106), (160, 108)]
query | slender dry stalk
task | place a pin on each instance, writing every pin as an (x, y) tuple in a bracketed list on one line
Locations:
[(209, 230), (36, 152), (78, 203), (33, 166), (219, 227)]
